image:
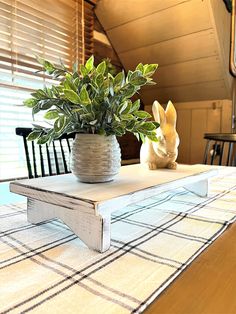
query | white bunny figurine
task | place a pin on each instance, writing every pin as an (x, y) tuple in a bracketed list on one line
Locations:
[(162, 154)]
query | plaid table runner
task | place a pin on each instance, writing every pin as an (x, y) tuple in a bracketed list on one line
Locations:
[(47, 269)]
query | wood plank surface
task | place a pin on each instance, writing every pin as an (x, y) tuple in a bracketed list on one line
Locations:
[(189, 72), (185, 93), (158, 26), (197, 133), (188, 39), (226, 118), (181, 49), (221, 24), (183, 128), (115, 13), (134, 183), (207, 286)]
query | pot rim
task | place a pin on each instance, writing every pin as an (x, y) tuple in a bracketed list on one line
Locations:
[(92, 135)]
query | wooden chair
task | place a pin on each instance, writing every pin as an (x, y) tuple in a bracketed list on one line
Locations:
[(220, 148), (45, 160)]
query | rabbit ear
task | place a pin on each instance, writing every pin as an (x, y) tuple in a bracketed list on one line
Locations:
[(159, 113), (171, 114)]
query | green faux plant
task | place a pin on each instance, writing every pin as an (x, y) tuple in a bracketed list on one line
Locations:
[(92, 100)]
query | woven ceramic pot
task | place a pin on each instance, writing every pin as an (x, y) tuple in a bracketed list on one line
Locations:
[(95, 158)]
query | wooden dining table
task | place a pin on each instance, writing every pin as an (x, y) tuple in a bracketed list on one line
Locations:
[(207, 286)]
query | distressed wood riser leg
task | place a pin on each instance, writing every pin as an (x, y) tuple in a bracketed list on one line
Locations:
[(93, 230), (38, 212)]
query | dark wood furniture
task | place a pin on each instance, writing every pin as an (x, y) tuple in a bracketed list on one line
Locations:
[(45, 160), (220, 149)]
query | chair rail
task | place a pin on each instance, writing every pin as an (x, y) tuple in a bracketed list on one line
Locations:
[(225, 137)]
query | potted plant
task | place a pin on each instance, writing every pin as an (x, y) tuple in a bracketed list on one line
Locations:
[(97, 106)]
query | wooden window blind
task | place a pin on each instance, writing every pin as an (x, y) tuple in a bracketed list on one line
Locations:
[(52, 29)]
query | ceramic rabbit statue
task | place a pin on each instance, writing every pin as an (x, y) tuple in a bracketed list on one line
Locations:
[(162, 154)]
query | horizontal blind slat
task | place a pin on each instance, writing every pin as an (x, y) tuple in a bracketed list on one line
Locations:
[(30, 28)]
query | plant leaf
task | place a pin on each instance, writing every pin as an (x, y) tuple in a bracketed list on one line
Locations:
[(48, 66), (39, 94), (83, 70), (142, 114), (149, 69), (129, 91), (34, 135), (142, 136), (99, 80), (101, 68), (128, 107), (72, 96), (148, 126), (36, 109), (93, 122), (137, 135), (116, 118), (59, 124), (45, 104), (140, 67), (51, 115), (69, 84), (30, 102), (84, 96), (138, 81), (76, 82), (119, 79), (122, 107), (127, 117), (153, 137), (111, 89), (89, 64), (43, 139), (135, 106)]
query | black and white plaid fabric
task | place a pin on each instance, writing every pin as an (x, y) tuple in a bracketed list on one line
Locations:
[(45, 268)]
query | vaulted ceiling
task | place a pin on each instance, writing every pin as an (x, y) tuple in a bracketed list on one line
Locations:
[(189, 39)]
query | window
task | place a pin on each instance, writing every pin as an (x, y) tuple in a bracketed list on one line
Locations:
[(52, 29)]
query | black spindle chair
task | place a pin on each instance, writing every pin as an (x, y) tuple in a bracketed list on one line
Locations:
[(220, 149), (45, 160)]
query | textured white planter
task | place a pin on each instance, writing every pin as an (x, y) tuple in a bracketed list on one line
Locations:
[(95, 158)]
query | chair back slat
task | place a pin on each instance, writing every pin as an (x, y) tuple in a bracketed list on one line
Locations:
[(68, 145), (63, 156), (213, 153), (221, 153), (206, 152), (229, 157), (49, 160), (55, 158), (46, 160), (41, 161), (30, 174), (34, 160)]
